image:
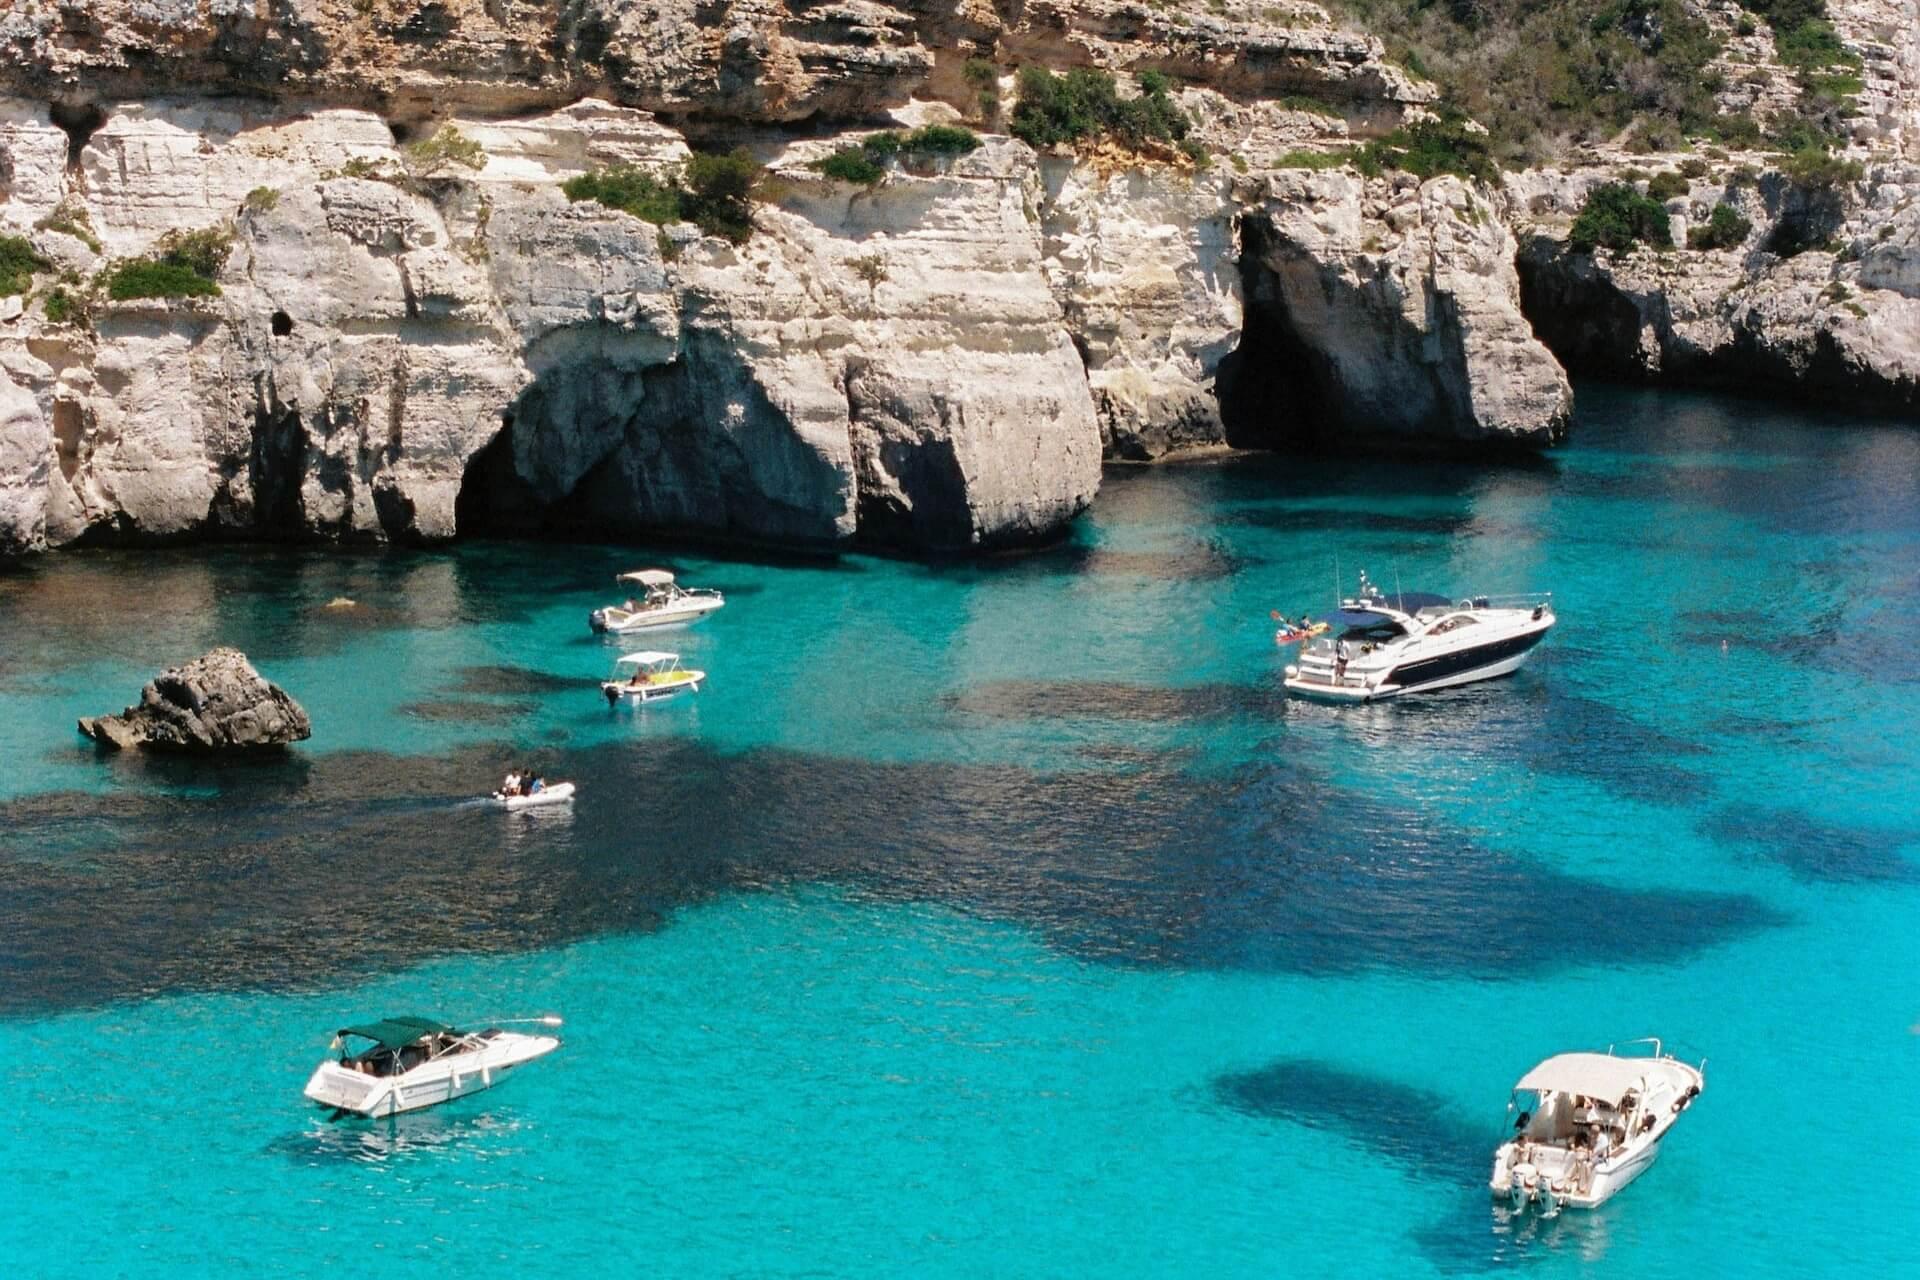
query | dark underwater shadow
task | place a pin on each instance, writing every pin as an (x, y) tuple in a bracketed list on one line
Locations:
[(1542, 724), (1112, 700), (1414, 1129), (506, 680), (353, 863), (1814, 850)]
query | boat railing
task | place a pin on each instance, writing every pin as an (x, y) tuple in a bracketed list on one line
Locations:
[(1613, 1050), (1513, 600)]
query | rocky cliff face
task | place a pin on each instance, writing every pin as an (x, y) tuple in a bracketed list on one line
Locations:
[(375, 336), (1821, 300), (936, 362)]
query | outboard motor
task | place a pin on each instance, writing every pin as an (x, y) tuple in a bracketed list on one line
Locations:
[(1549, 1203), (613, 697), (597, 620), (1517, 1193)]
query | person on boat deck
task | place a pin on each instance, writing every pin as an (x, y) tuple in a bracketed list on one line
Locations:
[(539, 785), (511, 787)]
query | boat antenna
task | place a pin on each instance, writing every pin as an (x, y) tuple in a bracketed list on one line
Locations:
[(1336, 580), (1399, 597)]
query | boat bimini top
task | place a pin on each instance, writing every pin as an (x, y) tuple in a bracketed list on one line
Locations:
[(1601, 1076), (398, 1032), (647, 577), (645, 658)]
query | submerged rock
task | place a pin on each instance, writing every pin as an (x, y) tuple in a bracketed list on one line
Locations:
[(217, 702)]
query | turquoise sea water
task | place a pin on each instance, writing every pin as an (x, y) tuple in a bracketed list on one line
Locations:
[(1004, 918)]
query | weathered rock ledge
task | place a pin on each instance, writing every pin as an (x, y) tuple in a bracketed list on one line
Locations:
[(217, 702)]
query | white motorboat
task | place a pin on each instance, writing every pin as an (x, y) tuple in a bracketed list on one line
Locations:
[(662, 602), (1584, 1125), (405, 1063), (553, 793), (1384, 646), (645, 676)]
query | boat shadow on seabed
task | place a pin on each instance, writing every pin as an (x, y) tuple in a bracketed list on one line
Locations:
[(1419, 1134)]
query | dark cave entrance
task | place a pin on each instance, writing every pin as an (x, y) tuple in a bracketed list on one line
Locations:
[(1272, 387)]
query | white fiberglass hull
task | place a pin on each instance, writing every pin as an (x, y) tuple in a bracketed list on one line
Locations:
[(1322, 692), (558, 793), (1420, 665), (619, 622), (1608, 1180), (618, 691), (431, 1083)]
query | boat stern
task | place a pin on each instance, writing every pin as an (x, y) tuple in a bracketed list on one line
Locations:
[(333, 1085)]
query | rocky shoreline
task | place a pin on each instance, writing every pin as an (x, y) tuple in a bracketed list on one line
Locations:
[(937, 361)]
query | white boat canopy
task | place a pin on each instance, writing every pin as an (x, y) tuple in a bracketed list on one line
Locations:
[(1591, 1075), (647, 577), (646, 658)]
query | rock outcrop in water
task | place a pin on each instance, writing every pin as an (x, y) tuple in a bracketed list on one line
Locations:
[(935, 362), (217, 702)]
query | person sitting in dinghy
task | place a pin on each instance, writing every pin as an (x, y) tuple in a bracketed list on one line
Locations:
[(510, 786)]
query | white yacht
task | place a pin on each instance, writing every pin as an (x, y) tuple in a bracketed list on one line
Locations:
[(661, 602), (1383, 646), (406, 1063), (1584, 1125)]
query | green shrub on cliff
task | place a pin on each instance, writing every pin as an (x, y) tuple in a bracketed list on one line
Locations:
[(182, 265), (145, 278), (1618, 217), (1724, 229), (712, 191), (630, 190), (942, 140), (1666, 184), (719, 193), (851, 164), (1816, 170), (1450, 144), (863, 163), (18, 261), (1085, 105), (449, 146), (63, 307), (1543, 74), (1304, 159)]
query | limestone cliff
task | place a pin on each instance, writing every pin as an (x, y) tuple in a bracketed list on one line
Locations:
[(1820, 301), (937, 361)]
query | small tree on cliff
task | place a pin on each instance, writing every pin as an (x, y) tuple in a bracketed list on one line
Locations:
[(1616, 216)]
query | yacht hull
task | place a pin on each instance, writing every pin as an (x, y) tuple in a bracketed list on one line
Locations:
[(429, 1084), (1421, 674), (617, 622)]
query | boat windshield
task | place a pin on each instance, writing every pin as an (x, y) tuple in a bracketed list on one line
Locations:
[(1375, 632)]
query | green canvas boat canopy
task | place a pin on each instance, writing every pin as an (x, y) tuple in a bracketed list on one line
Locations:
[(397, 1033)]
